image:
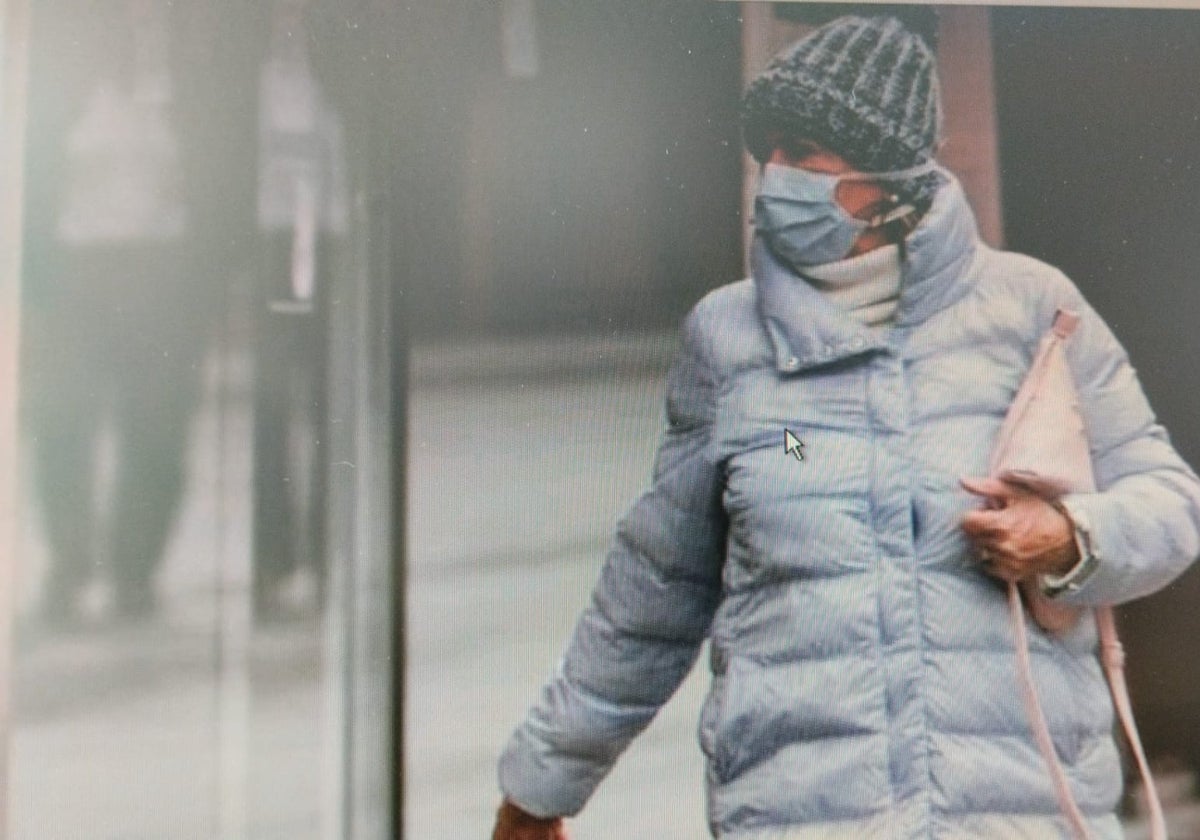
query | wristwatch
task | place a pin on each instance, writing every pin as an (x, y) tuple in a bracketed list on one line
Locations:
[(1055, 585)]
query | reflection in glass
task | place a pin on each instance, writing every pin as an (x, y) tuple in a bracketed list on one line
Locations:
[(186, 665)]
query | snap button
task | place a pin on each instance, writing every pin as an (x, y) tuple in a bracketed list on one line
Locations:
[(792, 362)]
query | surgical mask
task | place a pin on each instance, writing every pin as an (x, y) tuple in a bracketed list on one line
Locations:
[(798, 213)]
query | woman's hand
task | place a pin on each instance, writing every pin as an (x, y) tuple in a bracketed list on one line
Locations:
[(1018, 534), (512, 823)]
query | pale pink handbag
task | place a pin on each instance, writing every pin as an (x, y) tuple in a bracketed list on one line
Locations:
[(1043, 445)]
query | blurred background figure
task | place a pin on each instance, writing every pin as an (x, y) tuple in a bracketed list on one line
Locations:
[(118, 307), (302, 214)]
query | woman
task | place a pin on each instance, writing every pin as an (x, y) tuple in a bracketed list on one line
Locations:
[(810, 511)]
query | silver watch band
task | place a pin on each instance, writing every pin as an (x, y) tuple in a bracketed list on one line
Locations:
[(1088, 563)]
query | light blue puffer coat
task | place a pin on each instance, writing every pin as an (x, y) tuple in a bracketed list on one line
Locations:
[(864, 681)]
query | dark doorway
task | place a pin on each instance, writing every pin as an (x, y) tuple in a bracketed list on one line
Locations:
[(594, 178)]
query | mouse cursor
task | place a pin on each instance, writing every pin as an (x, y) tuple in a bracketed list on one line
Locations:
[(792, 445)]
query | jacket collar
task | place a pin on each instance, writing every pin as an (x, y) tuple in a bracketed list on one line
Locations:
[(807, 330)]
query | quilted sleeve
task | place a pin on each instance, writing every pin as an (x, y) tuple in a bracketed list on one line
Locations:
[(649, 612), (1143, 524)]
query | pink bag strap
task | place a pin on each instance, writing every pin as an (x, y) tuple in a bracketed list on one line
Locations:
[(1112, 657), (1065, 322), (1037, 719)]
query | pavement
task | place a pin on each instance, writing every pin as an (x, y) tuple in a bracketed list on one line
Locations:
[(506, 543), (522, 455)]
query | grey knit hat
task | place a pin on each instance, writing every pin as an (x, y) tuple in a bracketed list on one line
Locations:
[(863, 87)]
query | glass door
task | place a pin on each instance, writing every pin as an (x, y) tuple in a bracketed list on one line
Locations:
[(210, 395)]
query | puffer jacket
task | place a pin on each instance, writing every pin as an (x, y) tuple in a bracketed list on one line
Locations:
[(863, 668)]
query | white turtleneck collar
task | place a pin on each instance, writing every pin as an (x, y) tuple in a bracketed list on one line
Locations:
[(866, 286)]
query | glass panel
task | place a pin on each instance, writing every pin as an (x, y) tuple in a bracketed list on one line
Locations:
[(203, 613)]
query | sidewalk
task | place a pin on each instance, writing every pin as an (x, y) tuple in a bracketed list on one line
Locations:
[(540, 358), (190, 726), (522, 453), (116, 717)]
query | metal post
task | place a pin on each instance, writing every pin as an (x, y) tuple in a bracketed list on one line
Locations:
[(388, 232), (360, 44), (14, 51)]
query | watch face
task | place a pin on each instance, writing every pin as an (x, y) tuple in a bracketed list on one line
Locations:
[(1075, 578)]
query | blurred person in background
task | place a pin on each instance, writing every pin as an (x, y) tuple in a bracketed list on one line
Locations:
[(807, 516), (119, 301), (302, 216)]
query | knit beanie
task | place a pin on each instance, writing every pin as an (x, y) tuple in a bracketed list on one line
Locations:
[(865, 88)]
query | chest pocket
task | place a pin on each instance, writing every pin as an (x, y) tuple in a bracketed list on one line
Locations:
[(797, 459)]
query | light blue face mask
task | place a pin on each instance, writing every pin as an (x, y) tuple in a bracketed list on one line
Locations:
[(797, 211)]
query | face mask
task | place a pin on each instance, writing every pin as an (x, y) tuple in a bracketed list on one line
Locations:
[(798, 213)]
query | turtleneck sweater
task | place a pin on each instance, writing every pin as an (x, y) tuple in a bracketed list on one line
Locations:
[(866, 286)]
